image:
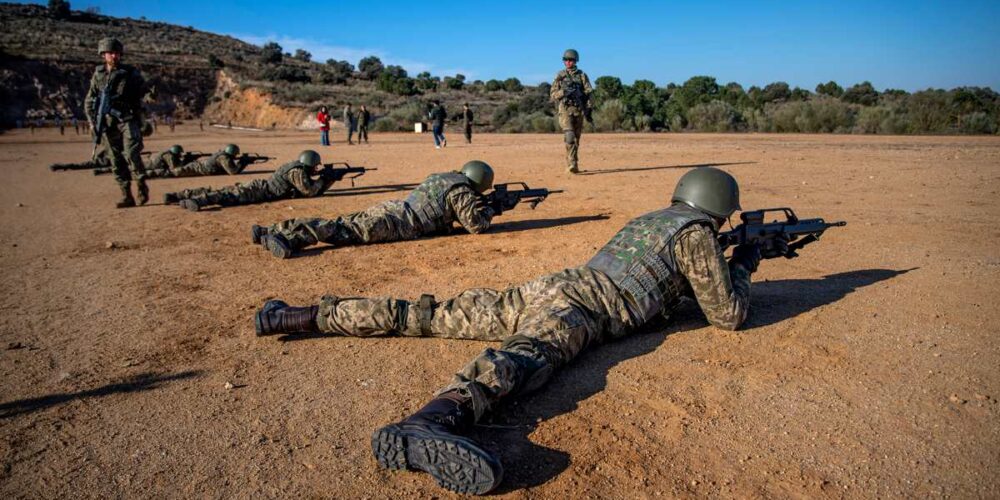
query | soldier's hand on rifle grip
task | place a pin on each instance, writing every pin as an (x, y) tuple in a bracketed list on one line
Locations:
[(747, 255), (775, 247), (496, 204)]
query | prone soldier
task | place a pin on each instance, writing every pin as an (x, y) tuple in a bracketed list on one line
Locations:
[(114, 110), (226, 161), (571, 92), (438, 202), (100, 161), (653, 264), (291, 180)]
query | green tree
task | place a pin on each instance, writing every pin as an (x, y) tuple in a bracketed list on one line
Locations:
[(830, 88), (271, 53), (607, 87), (302, 55), (494, 85), (512, 85), (863, 93), (370, 67), (59, 9), (776, 92)]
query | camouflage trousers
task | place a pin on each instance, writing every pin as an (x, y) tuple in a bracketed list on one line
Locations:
[(572, 127), (123, 140), (195, 169), (388, 221), (543, 324), (255, 191), (89, 165)]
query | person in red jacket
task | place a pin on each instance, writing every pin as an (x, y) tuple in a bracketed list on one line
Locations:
[(323, 117)]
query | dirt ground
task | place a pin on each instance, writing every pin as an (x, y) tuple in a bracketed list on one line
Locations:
[(869, 367)]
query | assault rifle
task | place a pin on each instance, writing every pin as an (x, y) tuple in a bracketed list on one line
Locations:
[(331, 174), (755, 231), (574, 91), (103, 110), (254, 158), (502, 198), (190, 156)]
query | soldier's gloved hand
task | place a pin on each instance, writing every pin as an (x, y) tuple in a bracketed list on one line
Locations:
[(496, 206), (775, 247), (747, 255)]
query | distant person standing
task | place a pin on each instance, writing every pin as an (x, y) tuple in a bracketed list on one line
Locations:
[(571, 92), (363, 118), (323, 117), (62, 125), (467, 121), (76, 125), (120, 129), (349, 123), (438, 115)]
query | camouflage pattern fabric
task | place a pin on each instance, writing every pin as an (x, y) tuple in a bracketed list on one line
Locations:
[(571, 117), (102, 162), (364, 116), (388, 221), (546, 322), (295, 182), (163, 165), (219, 163), (122, 134)]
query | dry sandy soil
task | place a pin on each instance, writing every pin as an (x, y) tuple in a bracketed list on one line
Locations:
[(869, 367)]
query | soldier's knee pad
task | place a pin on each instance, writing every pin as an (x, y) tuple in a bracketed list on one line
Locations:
[(570, 137), (425, 312), (532, 359)]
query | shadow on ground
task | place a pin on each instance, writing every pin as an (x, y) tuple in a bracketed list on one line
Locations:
[(527, 464), (663, 167), (137, 383)]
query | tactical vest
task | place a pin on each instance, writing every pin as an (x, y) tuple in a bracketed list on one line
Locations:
[(574, 76), (213, 162), (428, 200), (279, 183), (640, 259)]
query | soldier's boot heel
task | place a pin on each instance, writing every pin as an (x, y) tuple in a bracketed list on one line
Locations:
[(190, 205), (171, 199), (278, 245), (143, 192), (431, 441), (257, 233), (127, 201), (278, 317)]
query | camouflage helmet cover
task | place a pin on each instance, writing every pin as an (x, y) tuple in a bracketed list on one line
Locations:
[(710, 190), (571, 54), (232, 150), (177, 149), (310, 158), (480, 173), (109, 45)]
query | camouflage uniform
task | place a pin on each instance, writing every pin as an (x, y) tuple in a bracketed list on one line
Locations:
[(122, 134), (164, 164), (571, 117), (220, 163), (431, 208), (100, 163), (289, 181), (467, 119), (644, 272), (349, 123)]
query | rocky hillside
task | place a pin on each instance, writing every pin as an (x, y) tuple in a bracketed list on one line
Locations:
[(46, 60)]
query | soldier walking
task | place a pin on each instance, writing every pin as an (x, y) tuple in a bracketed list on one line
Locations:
[(349, 123), (291, 180), (363, 118), (432, 207), (642, 274), (571, 92), (438, 115), (467, 119), (121, 131)]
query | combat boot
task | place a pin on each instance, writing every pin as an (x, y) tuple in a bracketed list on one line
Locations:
[(278, 317), (190, 204), (572, 169), (278, 245), (171, 199), (127, 201), (432, 440), (257, 233), (143, 191)]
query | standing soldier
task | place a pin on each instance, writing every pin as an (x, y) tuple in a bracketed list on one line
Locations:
[(62, 125), (289, 181), (641, 275), (363, 118), (571, 91), (120, 124), (76, 125), (467, 121), (349, 123)]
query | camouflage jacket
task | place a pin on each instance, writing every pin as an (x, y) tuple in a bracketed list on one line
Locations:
[(446, 198), (364, 116), (221, 162), (348, 117), (165, 161), (293, 178), (558, 92), (125, 86), (661, 257)]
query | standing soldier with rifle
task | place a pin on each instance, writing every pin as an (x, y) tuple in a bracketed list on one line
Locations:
[(438, 202), (571, 92), (114, 110), (291, 180), (653, 264)]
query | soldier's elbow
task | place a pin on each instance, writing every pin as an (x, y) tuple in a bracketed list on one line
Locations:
[(729, 322)]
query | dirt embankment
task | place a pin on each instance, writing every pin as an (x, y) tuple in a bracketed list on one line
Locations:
[(250, 107)]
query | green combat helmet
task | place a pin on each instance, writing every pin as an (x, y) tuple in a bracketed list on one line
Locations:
[(309, 158), (176, 149), (710, 190), (572, 55), (109, 45), (232, 150), (480, 174)]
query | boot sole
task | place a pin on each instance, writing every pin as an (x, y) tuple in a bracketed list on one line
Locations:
[(455, 463), (276, 249)]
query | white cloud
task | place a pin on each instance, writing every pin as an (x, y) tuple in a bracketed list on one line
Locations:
[(322, 51)]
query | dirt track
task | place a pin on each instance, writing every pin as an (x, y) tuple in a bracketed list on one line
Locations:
[(867, 368)]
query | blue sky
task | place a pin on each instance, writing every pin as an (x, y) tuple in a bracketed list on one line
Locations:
[(894, 44)]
